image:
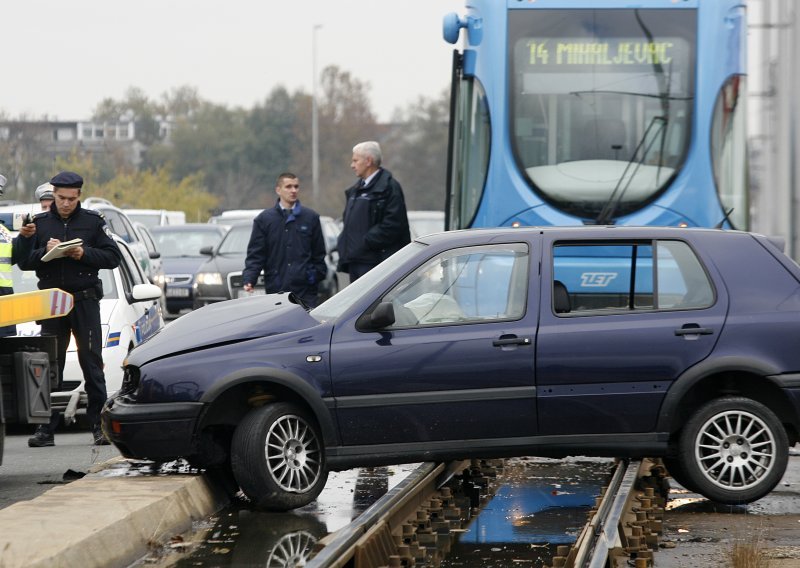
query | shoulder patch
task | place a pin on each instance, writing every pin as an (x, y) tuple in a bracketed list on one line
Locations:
[(41, 215), (95, 212)]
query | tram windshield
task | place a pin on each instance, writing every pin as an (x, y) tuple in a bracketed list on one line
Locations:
[(601, 104)]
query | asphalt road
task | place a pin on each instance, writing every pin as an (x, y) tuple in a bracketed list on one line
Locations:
[(27, 472)]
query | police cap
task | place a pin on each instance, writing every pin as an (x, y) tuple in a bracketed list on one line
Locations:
[(67, 179), (44, 191)]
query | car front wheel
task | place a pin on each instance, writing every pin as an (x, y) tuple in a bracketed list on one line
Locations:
[(277, 457), (733, 450)]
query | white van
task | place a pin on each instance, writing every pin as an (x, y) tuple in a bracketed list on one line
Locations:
[(233, 215), (156, 217)]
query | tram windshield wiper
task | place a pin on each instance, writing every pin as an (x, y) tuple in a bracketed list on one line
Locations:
[(608, 210)]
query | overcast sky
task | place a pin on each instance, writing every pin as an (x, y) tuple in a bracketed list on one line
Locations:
[(60, 58)]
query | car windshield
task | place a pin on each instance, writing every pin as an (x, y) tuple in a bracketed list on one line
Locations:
[(235, 242), (174, 244), (339, 303)]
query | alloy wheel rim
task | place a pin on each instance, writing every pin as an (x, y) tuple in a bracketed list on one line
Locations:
[(735, 450), (293, 454), (292, 551)]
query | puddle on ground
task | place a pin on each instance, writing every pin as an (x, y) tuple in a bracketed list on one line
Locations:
[(541, 504), (239, 536)]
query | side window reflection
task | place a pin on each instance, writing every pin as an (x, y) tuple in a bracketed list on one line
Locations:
[(465, 285), (636, 276)]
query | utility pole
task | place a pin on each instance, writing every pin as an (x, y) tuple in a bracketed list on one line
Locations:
[(314, 120)]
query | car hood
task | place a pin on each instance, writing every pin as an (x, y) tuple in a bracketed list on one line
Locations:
[(224, 322), (182, 264)]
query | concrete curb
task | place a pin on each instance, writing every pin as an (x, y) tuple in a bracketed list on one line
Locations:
[(102, 521)]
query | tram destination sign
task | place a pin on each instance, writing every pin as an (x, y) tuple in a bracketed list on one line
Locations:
[(615, 52)]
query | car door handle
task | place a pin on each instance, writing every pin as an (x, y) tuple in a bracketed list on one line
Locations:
[(689, 330), (512, 340)]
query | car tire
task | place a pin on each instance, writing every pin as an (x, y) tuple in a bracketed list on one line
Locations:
[(675, 470), (278, 457), (733, 450)]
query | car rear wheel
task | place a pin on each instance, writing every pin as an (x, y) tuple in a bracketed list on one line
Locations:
[(675, 469), (733, 450), (277, 457)]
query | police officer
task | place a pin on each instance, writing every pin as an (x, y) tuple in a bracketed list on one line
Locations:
[(76, 273), (11, 251), (44, 195)]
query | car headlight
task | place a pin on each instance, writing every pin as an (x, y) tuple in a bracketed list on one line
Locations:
[(210, 278)]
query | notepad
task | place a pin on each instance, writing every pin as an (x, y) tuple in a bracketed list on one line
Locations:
[(61, 249)]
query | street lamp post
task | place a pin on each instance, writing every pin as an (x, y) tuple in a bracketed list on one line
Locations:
[(314, 120)]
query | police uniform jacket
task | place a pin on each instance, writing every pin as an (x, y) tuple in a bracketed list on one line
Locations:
[(76, 276), (375, 222), (289, 247)]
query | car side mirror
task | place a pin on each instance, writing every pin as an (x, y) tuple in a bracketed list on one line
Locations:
[(154, 255), (382, 316), (209, 251), (142, 292)]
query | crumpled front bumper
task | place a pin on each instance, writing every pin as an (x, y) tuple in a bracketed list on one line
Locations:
[(160, 431)]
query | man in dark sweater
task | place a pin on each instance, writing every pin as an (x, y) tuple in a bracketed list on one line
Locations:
[(287, 244), (375, 222)]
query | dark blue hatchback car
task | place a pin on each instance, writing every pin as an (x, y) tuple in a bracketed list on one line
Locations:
[(605, 341)]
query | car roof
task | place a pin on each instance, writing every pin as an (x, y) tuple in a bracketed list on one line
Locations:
[(190, 227), (572, 232), (21, 207), (129, 210)]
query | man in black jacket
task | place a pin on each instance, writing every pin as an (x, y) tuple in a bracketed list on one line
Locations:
[(287, 244), (375, 222), (75, 272)]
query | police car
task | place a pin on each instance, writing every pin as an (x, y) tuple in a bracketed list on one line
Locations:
[(129, 313)]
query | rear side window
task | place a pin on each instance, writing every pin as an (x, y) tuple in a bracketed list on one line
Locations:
[(624, 277)]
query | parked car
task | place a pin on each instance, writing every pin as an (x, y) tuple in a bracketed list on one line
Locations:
[(219, 278), (423, 223), (330, 232), (180, 247), (121, 225), (605, 341), (155, 273), (129, 314), (156, 217)]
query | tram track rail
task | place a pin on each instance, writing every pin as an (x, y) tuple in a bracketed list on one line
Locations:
[(624, 527), (601, 534), (421, 510), (414, 522)]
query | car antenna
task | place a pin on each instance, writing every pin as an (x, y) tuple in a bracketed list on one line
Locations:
[(725, 218)]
